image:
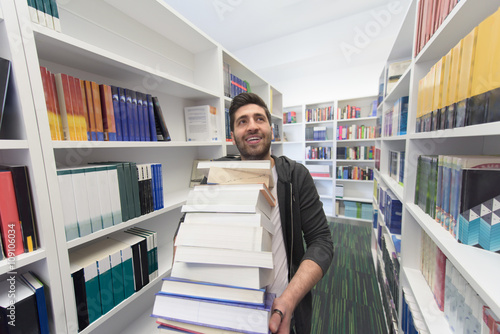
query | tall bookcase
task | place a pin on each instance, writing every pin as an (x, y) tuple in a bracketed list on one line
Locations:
[(148, 48), (298, 139), (479, 268)]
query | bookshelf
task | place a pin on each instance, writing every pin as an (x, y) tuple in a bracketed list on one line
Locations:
[(153, 50), (300, 142), (477, 266), (20, 144)]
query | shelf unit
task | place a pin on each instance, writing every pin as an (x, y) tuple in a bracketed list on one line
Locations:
[(477, 266), (153, 50), (297, 142)]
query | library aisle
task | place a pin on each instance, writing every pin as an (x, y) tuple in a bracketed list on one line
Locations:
[(347, 299)]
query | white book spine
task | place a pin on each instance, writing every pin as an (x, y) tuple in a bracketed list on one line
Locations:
[(114, 193), (82, 203), (68, 206), (104, 197), (92, 183)]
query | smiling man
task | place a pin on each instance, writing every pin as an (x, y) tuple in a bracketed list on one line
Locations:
[(297, 217)]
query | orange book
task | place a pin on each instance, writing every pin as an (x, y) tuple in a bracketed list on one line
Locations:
[(108, 114), (76, 99), (82, 97), (87, 87), (49, 104), (96, 102), (10, 225), (65, 106), (55, 103)]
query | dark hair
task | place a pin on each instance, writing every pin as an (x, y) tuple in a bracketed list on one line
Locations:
[(243, 99)]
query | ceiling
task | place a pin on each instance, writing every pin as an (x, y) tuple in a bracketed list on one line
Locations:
[(300, 46)]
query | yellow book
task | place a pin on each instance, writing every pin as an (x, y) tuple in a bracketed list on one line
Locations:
[(438, 85), (466, 65), (446, 79), (495, 64), (454, 72), (483, 56), (420, 101)]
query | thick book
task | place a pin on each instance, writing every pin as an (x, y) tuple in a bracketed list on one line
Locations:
[(38, 288), (151, 117), (65, 106), (80, 111), (23, 302), (211, 291), (122, 96), (135, 115), (96, 102), (166, 325), (130, 115), (230, 219), (139, 257), (25, 205), (244, 198), (86, 89), (49, 102), (10, 225), (228, 316), (224, 236), (237, 172)]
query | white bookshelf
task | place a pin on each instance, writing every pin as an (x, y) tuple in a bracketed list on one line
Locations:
[(148, 48), (477, 266)]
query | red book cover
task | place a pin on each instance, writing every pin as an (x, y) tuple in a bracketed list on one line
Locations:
[(439, 277), (10, 224), (55, 103), (82, 108), (76, 109)]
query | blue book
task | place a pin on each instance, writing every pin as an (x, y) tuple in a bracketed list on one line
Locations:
[(140, 116), (145, 116), (123, 113), (38, 288), (116, 111), (130, 115), (151, 114), (135, 115)]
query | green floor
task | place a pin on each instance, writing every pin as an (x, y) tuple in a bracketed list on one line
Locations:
[(347, 299)]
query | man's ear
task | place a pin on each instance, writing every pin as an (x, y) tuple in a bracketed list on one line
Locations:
[(232, 137)]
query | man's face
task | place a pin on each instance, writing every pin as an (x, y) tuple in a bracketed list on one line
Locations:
[(252, 133)]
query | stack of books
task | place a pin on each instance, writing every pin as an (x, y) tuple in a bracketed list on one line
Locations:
[(223, 258)]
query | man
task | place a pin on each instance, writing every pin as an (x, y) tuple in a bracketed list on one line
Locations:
[(298, 217)]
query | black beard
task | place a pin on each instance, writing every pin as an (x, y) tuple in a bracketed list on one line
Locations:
[(246, 155)]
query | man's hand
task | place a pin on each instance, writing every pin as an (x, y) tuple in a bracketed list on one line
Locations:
[(280, 323)]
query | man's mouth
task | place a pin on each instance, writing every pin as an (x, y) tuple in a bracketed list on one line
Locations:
[(253, 139)]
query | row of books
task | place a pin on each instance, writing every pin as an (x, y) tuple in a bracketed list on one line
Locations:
[(348, 112), (391, 268), (355, 131), (233, 85), (45, 13), (85, 110), (319, 114), (23, 307), (433, 268), (464, 309), (354, 173), (430, 15), (98, 196), (389, 304), (290, 117), (316, 133), (18, 224), (357, 209), (412, 320), (223, 258), (463, 88), (356, 153), (390, 207), (450, 186), (318, 152), (227, 122), (396, 118), (397, 166), (276, 132), (110, 270)]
